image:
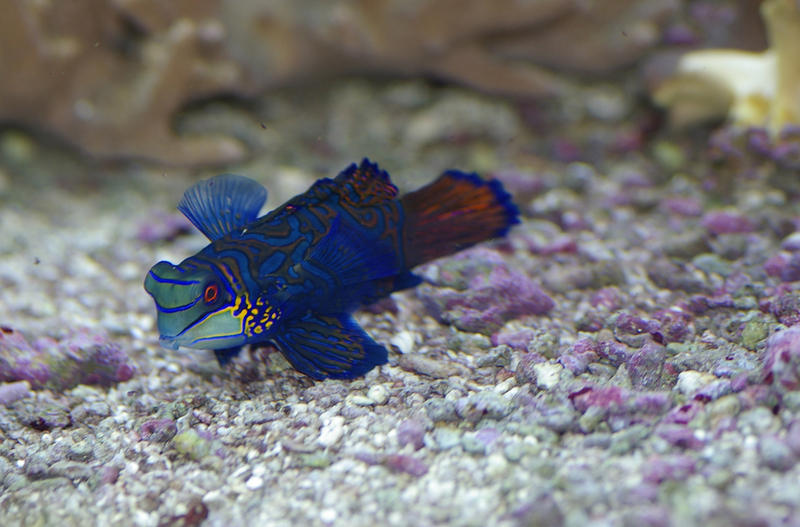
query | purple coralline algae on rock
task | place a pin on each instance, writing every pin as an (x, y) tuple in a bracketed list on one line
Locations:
[(395, 462), (411, 432), (14, 391), (660, 469), (679, 436), (407, 464), (613, 352), (634, 330), (782, 360), (579, 356), (793, 437), (79, 358), (784, 266), (646, 364), (517, 339), (619, 407), (724, 222), (682, 414), (607, 297), (675, 324), (486, 293), (606, 397), (158, 430), (784, 306), (682, 206)]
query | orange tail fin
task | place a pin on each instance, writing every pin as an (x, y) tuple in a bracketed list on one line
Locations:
[(454, 212)]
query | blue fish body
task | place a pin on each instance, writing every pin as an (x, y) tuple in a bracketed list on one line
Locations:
[(294, 276)]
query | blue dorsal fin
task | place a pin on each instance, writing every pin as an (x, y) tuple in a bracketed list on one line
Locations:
[(365, 185), (222, 204)]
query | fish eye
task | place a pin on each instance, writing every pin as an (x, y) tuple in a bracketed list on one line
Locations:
[(211, 293)]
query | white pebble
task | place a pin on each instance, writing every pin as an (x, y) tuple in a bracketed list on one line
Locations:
[(506, 385), (359, 400), (254, 482), (332, 431), (404, 342), (690, 381), (327, 515), (496, 465), (547, 374), (378, 393), (129, 271), (142, 518)]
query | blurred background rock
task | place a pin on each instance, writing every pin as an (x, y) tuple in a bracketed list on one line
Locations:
[(111, 76)]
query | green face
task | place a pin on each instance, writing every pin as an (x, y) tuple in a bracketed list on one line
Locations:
[(195, 308)]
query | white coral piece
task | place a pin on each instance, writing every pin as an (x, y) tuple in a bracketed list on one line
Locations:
[(751, 89)]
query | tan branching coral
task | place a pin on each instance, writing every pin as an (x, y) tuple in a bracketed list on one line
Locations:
[(110, 75), (750, 89), (498, 46)]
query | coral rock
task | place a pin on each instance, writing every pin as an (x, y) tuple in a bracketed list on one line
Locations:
[(407, 464), (492, 293), (751, 89), (117, 91), (80, 358), (782, 360), (126, 68), (411, 432), (645, 366), (724, 222), (159, 430)]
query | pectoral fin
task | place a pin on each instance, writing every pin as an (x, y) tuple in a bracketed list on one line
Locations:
[(329, 346), (224, 356), (353, 257)]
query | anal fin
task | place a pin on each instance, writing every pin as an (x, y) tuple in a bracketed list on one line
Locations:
[(329, 346)]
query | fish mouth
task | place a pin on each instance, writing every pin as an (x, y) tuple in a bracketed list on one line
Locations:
[(216, 330)]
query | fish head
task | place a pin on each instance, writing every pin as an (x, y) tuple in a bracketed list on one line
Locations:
[(196, 307)]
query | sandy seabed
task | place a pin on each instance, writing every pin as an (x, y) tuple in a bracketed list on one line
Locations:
[(627, 356)]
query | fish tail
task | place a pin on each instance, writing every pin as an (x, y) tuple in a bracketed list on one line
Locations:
[(452, 213)]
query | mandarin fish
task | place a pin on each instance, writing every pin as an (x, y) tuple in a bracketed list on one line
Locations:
[(294, 276)]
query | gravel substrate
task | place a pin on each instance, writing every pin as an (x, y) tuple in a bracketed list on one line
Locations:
[(629, 355)]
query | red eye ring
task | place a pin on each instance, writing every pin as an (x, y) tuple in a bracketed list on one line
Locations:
[(210, 294)]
